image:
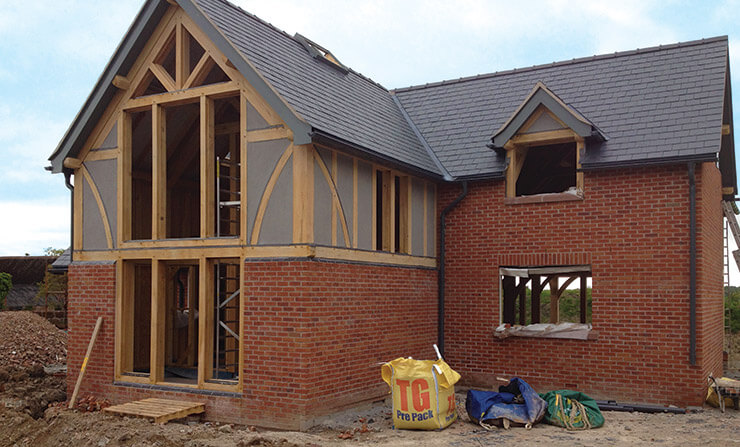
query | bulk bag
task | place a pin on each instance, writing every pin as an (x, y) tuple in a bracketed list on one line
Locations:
[(423, 393), (516, 402), (572, 410)]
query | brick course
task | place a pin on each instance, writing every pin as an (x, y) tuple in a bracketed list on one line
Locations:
[(633, 229)]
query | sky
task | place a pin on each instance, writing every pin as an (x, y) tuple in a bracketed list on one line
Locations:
[(53, 51)]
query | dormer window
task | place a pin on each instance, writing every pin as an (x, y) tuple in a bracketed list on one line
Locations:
[(549, 169), (544, 141)]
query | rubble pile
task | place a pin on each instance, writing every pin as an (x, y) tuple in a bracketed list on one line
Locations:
[(26, 339)]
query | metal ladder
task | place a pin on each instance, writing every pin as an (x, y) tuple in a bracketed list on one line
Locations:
[(734, 227), (233, 198), (732, 224)]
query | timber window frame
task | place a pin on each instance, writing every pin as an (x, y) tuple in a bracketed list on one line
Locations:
[(391, 211), (523, 312), (192, 74), (202, 277)]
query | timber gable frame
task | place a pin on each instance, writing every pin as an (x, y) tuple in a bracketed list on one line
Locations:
[(163, 78)]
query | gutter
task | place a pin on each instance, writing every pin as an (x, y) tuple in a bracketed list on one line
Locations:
[(692, 264), (441, 275)]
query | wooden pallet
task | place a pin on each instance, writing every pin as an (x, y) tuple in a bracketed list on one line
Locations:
[(159, 410)]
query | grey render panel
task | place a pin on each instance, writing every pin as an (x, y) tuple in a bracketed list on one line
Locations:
[(345, 189), (543, 124), (277, 227), (262, 159), (93, 234), (322, 201), (431, 219), (659, 103), (417, 217), (111, 141), (255, 121), (365, 206), (104, 174), (347, 106)]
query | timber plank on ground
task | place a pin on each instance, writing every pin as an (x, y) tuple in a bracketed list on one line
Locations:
[(159, 410)]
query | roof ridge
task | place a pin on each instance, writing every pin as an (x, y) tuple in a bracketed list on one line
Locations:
[(573, 61), (280, 31)]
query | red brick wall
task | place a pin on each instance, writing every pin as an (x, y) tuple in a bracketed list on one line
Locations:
[(633, 229), (91, 294), (315, 333)]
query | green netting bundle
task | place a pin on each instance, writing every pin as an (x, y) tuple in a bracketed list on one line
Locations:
[(572, 410)]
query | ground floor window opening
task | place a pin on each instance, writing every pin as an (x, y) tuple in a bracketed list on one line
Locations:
[(180, 322), (545, 299)]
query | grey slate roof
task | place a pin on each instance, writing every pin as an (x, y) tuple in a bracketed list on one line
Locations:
[(655, 104), (348, 106), (61, 265)]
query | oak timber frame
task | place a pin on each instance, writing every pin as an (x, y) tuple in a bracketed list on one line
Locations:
[(513, 287), (385, 234), (174, 33), (518, 146), (183, 85)]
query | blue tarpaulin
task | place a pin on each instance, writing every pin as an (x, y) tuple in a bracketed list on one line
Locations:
[(490, 407)]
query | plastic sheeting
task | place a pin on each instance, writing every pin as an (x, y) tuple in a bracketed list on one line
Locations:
[(545, 330), (490, 407)]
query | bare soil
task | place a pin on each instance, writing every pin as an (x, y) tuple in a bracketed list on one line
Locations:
[(367, 426), (32, 413)]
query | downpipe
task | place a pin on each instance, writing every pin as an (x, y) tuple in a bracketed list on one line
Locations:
[(441, 275)]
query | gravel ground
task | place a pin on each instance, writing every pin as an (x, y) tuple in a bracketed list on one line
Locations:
[(27, 339)]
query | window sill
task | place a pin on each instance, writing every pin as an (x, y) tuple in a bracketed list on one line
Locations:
[(568, 331), (545, 198), (177, 389)]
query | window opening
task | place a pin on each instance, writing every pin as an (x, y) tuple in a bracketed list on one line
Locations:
[(380, 201), (227, 153), (141, 175), (533, 295), (391, 212), (150, 85), (196, 52), (137, 318), (227, 333), (181, 323), (547, 169), (215, 75), (183, 170), (167, 56)]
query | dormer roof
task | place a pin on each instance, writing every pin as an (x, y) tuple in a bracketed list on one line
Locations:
[(540, 97)]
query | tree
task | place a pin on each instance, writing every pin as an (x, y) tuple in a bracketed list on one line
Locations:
[(732, 304), (54, 285), (51, 251), (6, 283)]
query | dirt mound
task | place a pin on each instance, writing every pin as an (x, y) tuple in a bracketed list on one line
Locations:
[(27, 339)]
